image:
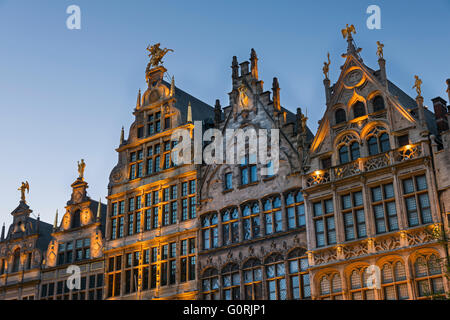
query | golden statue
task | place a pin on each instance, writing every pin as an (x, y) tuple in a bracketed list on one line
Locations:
[(81, 167), (326, 67), (156, 54), (22, 188), (380, 50), (243, 98), (347, 31), (418, 85)]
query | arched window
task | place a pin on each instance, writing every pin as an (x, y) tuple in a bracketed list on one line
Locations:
[(339, 116), (393, 281), (331, 287), (210, 284), (378, 103), (298, 274), (358, 109), (358, 285), (252, 271), (378, 141), (250, 221), (76, 219), (16, 261), (343, 154), (428, 276), (354, 150), (275, 274), (231, 281)]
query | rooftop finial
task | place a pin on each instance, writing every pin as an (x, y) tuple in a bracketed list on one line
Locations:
[(418, 86), (380, 50), (99, 208), (122, 136), (22, 188), (81, 167), (276, 94), (347, 34), (138, 102), (156, 54), (326, 67), (3, 232), (254, 63), (189, 113), (172, 87), (55, 223)]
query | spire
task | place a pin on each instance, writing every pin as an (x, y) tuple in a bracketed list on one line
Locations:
[(138, 103), (448, 89), (217, 112), (189, 113), (276, 94), (235, 68), (172, 87), (3, 232), (99, 208), (351, 49), (122, 136), (55, 224), (254, 64)]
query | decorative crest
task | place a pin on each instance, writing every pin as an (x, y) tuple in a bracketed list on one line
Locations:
[(22, 188), (380, 50), (326, 67), (418, 86), (156, 54)]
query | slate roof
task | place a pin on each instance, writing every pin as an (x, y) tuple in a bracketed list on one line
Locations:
[(201, 111)]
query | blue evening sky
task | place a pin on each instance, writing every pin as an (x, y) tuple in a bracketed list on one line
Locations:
[(64, 94)]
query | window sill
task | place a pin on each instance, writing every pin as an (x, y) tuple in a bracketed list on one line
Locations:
[(269, 178), (243, 186), (227, 191)]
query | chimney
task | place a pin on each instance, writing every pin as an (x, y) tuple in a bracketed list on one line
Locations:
[(189, 113), (122, 136), (440, 112), (244, 68), (55, 224), (99, 208), (138, 102), (234, 68), (3, 232)]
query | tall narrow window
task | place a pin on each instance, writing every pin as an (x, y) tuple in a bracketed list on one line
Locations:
[(231, 282), (384, 209), (339, 116), (230, 226), (272, 214), (295, 207), (252, 272), (354, 150), (417, 203), (343, 154), (378, 103), (359, 109), (353, 214), (250, 220), (210, 284), (298, 275), (324, 222), (210, 235), (275, 275)]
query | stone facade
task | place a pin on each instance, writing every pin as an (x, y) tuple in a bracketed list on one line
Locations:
[(360, 210)]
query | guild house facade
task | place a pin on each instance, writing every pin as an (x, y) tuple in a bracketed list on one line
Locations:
[(358, 211)]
